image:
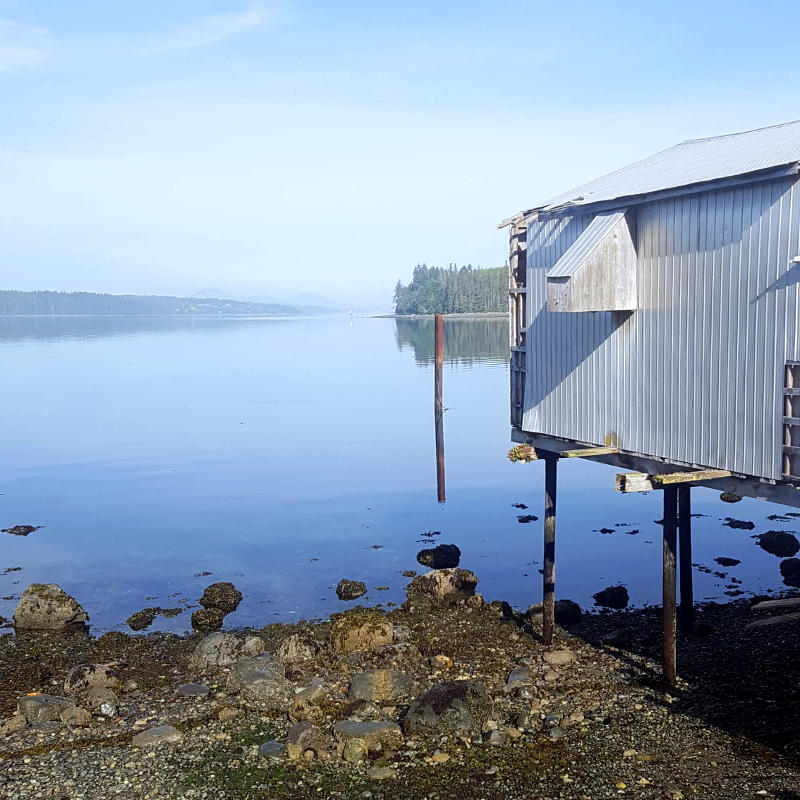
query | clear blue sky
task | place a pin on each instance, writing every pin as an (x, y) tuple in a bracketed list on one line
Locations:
[(329, 147)]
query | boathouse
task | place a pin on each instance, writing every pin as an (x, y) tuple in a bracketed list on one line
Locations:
[(655, 326)]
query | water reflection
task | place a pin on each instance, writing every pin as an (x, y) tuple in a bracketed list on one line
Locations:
[(466, 341), (60, 329)]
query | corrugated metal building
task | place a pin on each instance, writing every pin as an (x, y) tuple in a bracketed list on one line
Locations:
[(655, 311)]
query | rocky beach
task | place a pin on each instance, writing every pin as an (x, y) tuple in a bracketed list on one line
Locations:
[(444, 697)]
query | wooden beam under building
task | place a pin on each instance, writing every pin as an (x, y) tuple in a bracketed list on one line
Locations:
[(589, 452), (642, 482)]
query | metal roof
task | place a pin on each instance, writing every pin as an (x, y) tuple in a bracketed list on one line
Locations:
[(594, 234), (691, 162)]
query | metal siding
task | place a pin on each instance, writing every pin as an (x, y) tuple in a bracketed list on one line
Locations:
[(695, 375)]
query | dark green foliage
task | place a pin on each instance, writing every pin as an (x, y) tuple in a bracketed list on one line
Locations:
[(87, 303), (450, 290)]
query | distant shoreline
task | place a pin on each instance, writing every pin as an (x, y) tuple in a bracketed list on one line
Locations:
[(466, 315)]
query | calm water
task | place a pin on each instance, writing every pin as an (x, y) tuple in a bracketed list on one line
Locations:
[(285, 454)]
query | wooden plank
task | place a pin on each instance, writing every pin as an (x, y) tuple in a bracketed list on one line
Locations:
[(767, 621), (789, 392), (690, 477), (634, 482), (792, 421), (784, 602), (793, 450), (784, 492), (589, 452)]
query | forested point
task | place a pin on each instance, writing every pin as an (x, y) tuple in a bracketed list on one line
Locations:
[(453, 290), (89, 303)]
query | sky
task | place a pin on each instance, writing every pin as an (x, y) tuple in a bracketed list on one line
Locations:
[(277, 148)]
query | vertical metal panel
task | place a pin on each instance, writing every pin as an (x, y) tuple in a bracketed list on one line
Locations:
[(695, 375)]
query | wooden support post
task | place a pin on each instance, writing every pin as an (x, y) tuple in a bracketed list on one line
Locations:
[(685, 556), (668, 597), (437, 407), (549, 560)]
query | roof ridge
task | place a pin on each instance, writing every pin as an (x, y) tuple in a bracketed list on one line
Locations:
[(737, 133)]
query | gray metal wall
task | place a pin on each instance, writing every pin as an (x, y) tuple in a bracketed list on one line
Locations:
[(695, 375)]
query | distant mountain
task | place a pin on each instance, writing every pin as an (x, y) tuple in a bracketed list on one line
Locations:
[(89, 303), (310, 302), (308, 299), (216, 294)]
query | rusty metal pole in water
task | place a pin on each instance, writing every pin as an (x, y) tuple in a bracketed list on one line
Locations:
[(549, 560), (437, 407), (668, 598)]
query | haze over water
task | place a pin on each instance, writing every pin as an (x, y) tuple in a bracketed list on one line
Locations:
[(286, 454)]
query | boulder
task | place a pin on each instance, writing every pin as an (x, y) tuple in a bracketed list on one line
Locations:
[(208, 619), (441, 587), (559, 658), (304, 736), (350, 590), (612, 597), (297, 647), (443, 556), (360, 629), (380, 685), (519, 677), (44, 707), (223, 649), (21, 530), (454, 707), (779, 543), (89, 676), (101, 700), (363, 711), (223, 595), (262, 680), (567, 612), (790, 570), (46, 606), (12, 724), (374, 735)]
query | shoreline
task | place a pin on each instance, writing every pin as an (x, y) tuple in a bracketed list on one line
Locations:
[(466, 315), (591, 708)]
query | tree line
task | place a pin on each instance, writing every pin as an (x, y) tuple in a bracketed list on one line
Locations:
[(453, 290), (89, 303)]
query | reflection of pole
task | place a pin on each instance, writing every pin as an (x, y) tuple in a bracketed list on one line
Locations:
[(437, 409)]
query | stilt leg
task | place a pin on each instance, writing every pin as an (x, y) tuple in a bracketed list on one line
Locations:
[(685, 557), (549, 571), (668, 602)]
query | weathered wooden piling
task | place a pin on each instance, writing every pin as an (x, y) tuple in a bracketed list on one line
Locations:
[(437, 407), (668, 596), (549, 560), (686, 617)]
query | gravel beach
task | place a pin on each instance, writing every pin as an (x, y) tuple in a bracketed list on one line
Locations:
[(446, 697)]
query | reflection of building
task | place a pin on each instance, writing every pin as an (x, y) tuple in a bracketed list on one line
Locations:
[(655, 321), (465, 340)]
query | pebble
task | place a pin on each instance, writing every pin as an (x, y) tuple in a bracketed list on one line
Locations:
[(381, 773), (192, 690), (440, 758), (153, 737), (270, 750)]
